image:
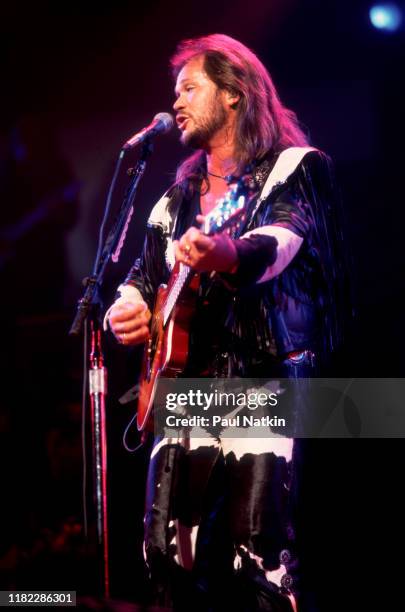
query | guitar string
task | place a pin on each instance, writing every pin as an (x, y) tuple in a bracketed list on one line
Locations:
[(171, 299), (182, 277)]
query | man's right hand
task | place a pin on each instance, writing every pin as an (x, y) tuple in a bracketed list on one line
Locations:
[(130, 323)]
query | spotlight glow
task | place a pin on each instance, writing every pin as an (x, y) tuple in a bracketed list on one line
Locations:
[(386, 17)]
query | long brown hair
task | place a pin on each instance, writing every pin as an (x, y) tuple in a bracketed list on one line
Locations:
[(263, 124)]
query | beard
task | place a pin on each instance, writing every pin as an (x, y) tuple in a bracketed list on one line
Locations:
[(206, 126)]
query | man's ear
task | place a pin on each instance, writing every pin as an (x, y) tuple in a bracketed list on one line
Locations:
[(231, 98)]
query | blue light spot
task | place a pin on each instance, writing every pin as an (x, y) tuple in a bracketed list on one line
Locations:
[(386, 17)]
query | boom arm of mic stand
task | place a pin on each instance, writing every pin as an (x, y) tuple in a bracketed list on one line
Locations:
[(114, 238)]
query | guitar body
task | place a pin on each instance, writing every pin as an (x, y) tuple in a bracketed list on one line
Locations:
[(166, 352)]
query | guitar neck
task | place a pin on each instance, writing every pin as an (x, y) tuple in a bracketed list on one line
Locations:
[(226, 215), (175, 290)]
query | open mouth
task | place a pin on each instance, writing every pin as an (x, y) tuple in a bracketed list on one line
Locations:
[(181, 121)]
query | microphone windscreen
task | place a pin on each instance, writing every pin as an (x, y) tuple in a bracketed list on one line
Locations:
[(166, 119)]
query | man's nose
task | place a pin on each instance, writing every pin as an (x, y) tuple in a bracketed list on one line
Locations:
[(178, 104)]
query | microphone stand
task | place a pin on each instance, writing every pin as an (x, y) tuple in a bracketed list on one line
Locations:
[(89, 309)]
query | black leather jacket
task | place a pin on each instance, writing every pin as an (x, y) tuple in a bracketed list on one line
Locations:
[(242, 328)]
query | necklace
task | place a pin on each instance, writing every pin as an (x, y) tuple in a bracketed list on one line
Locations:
[(216, 175)]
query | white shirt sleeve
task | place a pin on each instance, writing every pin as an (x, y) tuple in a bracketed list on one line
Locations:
[(128, 294), (287, 248)]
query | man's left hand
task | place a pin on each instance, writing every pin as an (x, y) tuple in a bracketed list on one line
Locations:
[(206, 253)]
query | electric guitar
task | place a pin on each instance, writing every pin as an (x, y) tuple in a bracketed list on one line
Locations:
[(166, 351)]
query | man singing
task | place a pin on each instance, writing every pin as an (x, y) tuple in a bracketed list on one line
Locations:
[(219, 532)]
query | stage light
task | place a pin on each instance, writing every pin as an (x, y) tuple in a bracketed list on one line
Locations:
[(386, 17)]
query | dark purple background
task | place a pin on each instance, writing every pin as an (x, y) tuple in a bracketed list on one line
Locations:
[(77, 81)]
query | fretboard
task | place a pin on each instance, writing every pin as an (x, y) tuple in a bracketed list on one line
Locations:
[(175, 291)]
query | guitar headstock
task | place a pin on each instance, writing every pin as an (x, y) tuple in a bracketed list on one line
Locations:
[(229, 210)]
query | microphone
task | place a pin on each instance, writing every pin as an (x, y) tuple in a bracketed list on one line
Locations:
[(162, 123)]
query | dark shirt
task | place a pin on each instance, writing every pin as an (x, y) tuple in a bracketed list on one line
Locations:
[(240, 326)]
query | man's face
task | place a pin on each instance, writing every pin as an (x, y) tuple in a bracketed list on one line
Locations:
[(200, 110)]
